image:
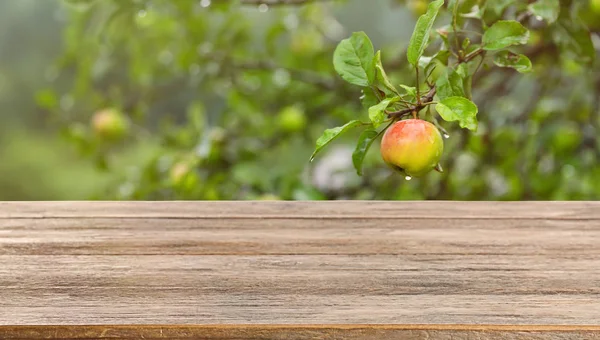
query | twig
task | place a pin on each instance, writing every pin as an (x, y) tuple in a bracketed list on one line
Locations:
[(418, 85), (302, 75), (424, 101), (280, 2), (428, 98)]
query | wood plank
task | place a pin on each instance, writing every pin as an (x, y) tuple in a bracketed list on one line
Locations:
[(120, 236), (300, 270), (303, 209), (309, 289), (303, 332)]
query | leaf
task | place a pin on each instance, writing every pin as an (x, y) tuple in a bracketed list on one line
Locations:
[(450, 84), (519, 62), (430, 64), (420, 36), (368, 98), (381, 76), (377, 112), (424, 61), (410, 90), (463, 71), (546, 9), (458, 109), (466, 43), (353, 59), (365, 140), (504, 33), (498, 6), (443, 33), (574, 39), (475, 13), (331, 134)]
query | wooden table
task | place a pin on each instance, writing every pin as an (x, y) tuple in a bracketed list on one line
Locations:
[(300, 270)]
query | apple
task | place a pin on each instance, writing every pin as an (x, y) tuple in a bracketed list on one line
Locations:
[(590, 14), (535, 38), (413, 146), (417, 7), (110, 124), (182, 174), (595, 6), (291, 119), (269, 197), (306, 41)]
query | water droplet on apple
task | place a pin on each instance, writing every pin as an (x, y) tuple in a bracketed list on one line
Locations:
[(408, 178)]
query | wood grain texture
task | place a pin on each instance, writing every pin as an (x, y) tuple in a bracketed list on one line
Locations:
[(304, 209), (302, 332), (300, 270)]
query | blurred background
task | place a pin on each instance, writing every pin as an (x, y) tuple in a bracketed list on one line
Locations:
[(224, 100)]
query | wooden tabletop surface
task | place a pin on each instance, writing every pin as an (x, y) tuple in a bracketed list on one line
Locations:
[(300, 270)]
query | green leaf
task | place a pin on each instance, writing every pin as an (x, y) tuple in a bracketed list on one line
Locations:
[(458, 109), (411, 91), (333, 133), (467, 77), (365, 140), (430, 64), (420, 36), (498, 6), (463, 70), (546, 9), (443, 34), (466, 43), (381, 76), (519, 62), (368, 98), (450, 84), (353, 59), (475, 13), (504, 33), (574, 39), (377, 112)]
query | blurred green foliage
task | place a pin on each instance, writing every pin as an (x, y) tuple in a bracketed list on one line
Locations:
[(225, 99)]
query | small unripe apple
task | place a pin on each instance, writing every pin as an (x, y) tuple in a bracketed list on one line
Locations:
[(535, 38), (291, 119), (269, 197), (595, 6), (182, 174), (590, 14), (110, 124), (414, 146), (417, 7), (178, 172), (306, 41)]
